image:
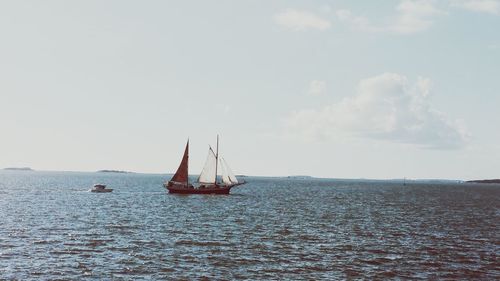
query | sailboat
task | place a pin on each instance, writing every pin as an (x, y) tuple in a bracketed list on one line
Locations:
[(207, 181)]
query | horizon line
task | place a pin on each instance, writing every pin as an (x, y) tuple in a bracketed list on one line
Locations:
[(112, 171)]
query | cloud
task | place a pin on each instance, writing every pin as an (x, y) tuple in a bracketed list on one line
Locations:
[(301, 20), (386, 107), (483, 6), (357, 22), (414, 16), (411, 16), (317, 88)]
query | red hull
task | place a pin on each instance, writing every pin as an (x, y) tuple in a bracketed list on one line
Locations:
[(206, 190), (220, 190)]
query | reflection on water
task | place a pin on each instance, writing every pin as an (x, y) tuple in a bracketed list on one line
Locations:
[(52, 228)]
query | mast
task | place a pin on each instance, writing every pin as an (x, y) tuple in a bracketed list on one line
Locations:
[(187, 160), (216, 159)]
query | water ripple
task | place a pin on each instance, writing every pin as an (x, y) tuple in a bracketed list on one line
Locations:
[(269, 229)]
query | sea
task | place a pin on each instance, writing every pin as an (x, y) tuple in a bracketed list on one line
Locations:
[(53, 228)]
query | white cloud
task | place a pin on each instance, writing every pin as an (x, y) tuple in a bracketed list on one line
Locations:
[(317, 88), (301, 20), (356, 22), (483, 6), (385, 107), (411, 16), (414, 16)]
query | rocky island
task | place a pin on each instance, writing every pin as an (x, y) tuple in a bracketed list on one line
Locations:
[(18, 169), (113, 171), (485, 181), (300, 177)]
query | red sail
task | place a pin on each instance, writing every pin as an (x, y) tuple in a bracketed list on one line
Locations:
[(182, 172)]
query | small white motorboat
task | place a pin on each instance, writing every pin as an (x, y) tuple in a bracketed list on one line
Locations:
[(100, 188)]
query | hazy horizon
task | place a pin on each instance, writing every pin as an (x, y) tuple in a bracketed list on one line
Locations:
[(331, 89), (169, 173)]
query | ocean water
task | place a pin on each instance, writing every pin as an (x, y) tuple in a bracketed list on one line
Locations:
[(52, 228)]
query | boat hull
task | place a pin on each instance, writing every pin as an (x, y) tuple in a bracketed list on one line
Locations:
[(101, 190), (218, 190), (205, 190)]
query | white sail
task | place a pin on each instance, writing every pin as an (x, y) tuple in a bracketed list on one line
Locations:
[(224, 173), (231, 178), (207, 175)]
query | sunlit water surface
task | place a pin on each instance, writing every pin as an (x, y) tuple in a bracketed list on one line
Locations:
[(52, 228)]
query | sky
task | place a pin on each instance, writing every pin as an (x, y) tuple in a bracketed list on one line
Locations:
[(340, 89)]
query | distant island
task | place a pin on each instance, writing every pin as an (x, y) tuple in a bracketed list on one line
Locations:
[(299, 177), (18, 169), (113, 171), (485, 181)]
